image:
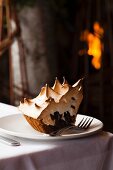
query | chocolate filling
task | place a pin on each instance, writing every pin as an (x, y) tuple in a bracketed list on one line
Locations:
[(59, 121)]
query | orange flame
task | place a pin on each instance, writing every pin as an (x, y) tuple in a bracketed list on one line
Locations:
[(95, 45)]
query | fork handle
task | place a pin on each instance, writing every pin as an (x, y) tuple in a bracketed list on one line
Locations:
[(56, 132)]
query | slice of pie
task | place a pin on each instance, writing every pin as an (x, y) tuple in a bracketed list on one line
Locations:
[(54, 108)]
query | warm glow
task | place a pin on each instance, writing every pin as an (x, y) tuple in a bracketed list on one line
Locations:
[(95, 45)]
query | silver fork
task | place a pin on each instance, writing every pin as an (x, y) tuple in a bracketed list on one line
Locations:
[(83, 125)]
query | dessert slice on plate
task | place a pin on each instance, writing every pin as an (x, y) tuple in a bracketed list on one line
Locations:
[(54, 108)]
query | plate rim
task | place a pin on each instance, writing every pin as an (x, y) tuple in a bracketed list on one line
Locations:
[(44, 137)]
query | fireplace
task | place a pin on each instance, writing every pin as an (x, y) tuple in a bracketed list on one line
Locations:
[(93, 58)]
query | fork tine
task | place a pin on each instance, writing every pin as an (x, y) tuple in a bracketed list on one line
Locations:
[(89, 123), (85, 123), (82, 122)]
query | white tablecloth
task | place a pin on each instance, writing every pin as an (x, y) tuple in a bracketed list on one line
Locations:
[(90, 153)]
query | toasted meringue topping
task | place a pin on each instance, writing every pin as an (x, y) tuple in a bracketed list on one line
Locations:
[(58, 93)]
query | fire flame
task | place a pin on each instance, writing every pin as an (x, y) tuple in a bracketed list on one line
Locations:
[(95, 45)]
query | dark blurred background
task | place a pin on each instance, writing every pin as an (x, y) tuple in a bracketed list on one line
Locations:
[(57, 38)]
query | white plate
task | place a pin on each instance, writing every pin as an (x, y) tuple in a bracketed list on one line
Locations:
[(16, 125)]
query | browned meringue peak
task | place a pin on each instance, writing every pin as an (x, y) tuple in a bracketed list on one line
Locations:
[(78, 84), (60, 88), (52, 94), (64, 81), (42, 97), (27, 101), (45, 94)]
